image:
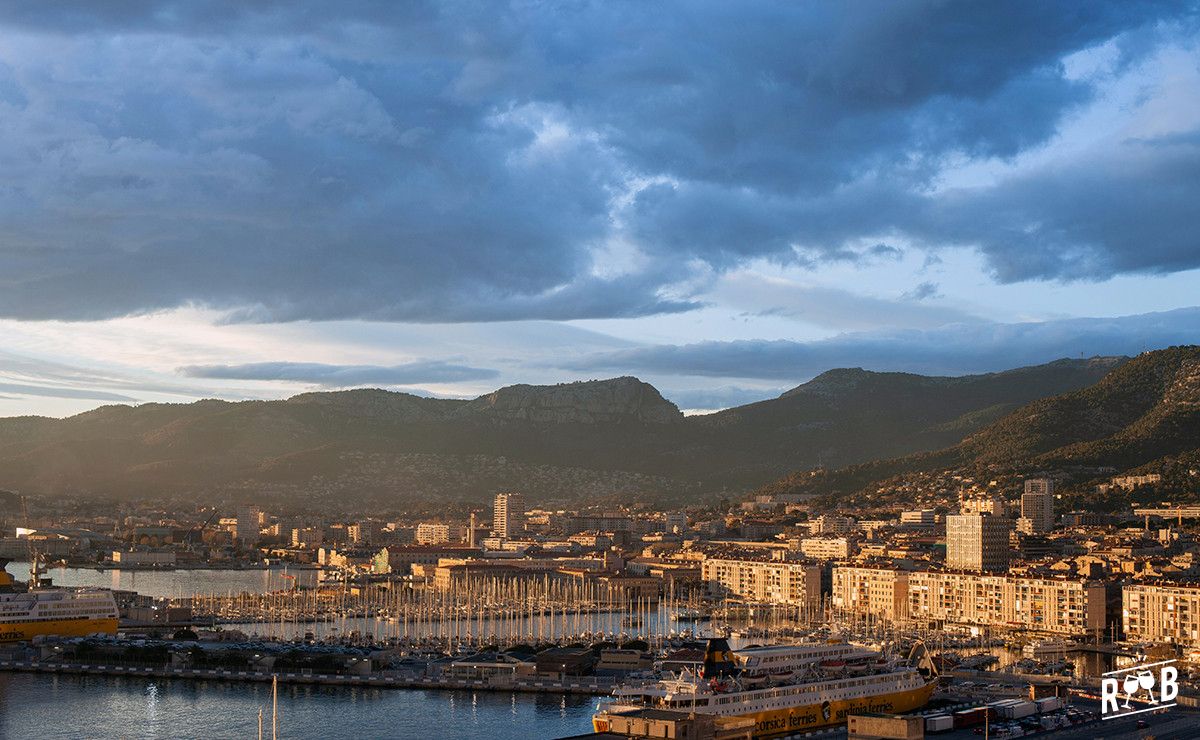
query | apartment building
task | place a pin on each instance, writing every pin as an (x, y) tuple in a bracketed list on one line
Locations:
[(877, 592), (1037, 507), (249, 525), (434, 533), (766, 581), (1157, 612), (1062, 606), (613, 522), (918, 519), (832, 524), (827, 548), (982, 503), (508, 515), (977, 542)]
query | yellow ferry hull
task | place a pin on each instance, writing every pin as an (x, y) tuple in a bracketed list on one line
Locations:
[(16, 631), (774, 722), (826, 714)]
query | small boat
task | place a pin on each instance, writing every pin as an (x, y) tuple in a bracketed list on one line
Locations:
[(1043, 649), (754, 681), (779, 678), (978, 662)]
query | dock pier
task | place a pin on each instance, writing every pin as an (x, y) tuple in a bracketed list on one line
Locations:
[(588, 685)]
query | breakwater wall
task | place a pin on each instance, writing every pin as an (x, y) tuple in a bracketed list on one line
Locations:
[(590, 685)]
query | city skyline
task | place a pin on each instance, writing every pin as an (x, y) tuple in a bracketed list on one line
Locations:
[(219, 201), (599, 369)]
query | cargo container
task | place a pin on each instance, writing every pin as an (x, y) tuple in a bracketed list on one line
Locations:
[(1048, 704), (939, 723), (869, 726), (972, 717), (1019, 710)]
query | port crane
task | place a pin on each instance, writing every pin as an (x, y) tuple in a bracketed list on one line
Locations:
[(199, 528)]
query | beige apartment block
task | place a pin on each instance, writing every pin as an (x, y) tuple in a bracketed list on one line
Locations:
[(877, 592), (765, 581), (1061, 606), (1154, 612)]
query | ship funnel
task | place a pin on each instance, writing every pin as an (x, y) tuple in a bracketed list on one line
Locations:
[(920, 659), (718, 659)]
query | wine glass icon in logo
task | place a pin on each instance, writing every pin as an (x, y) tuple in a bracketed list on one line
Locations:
[(1146, 681), (1130, 684)]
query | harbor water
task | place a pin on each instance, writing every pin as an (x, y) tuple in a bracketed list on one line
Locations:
[(174, 584), (56, 706)]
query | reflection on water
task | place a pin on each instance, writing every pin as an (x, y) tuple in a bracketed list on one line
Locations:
[(174, 583), (1087, 663), (54, 707)]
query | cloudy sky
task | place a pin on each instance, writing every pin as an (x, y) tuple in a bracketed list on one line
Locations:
[(250, 200)]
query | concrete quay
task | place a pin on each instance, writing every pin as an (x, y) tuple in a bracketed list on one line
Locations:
[(583, 685)]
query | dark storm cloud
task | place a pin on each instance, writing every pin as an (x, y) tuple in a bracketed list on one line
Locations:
[(1132, 211), (344, 375), (950, 350), (463, 162)]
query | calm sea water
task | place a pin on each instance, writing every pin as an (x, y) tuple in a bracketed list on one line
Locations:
[(173, 583), (45, 707)]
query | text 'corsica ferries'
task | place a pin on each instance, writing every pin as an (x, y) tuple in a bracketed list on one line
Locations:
[(69, 612), (809, 694)]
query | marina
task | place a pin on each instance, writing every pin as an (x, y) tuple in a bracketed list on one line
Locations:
[(607, 653)]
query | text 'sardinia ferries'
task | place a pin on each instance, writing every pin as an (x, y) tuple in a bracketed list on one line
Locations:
[(67, 612), (813, 691)]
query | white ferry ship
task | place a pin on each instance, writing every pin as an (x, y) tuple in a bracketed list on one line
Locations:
[(772, 661), (811, 701), (69, 612)]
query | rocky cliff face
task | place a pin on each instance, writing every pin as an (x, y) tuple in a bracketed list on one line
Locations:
[(587, 402), (1184, 392)]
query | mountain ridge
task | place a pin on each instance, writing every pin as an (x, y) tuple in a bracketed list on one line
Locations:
[(618, 436), (1143, 413)]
